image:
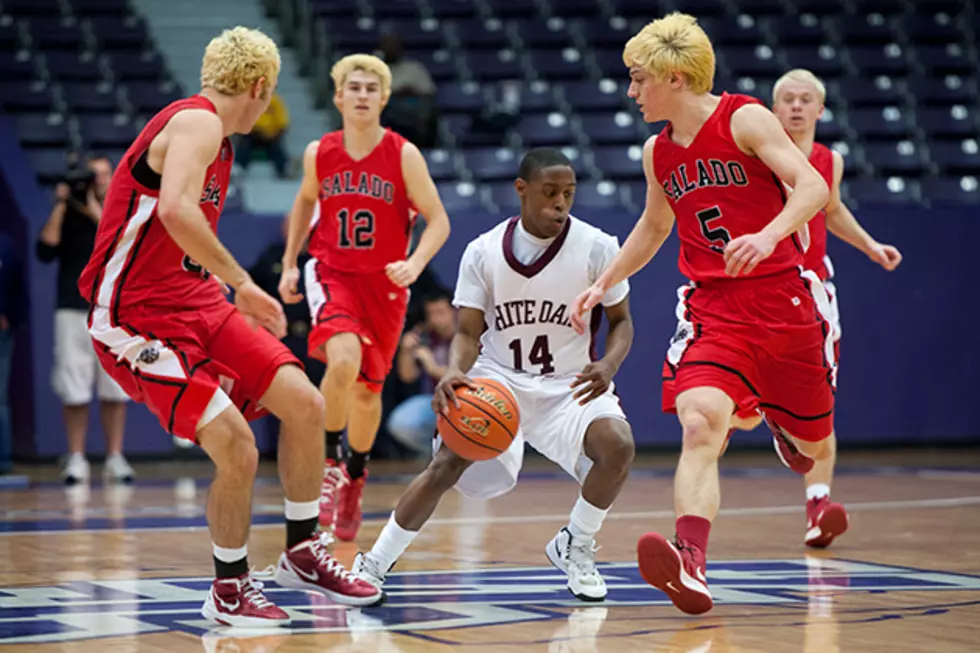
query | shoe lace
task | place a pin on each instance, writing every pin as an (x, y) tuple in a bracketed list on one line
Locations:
[(326, 561), (333, 480), (581, 554), (252, 591), (368, 566)]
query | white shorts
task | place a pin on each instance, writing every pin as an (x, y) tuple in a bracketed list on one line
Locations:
[(76, 370), (551, 422), (833, 315)]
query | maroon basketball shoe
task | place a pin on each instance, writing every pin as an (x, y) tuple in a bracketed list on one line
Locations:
[(677, 571), (308, 566), (333, 480), (787, 451), (240, 602), (349, 507), (825, 521)]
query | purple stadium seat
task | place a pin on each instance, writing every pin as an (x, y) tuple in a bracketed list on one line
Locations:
[(619, 162), (340, 8), (83, 97), (494, 65), (43, 130), (956, 158), (699, 8), (824, 60), (55, 34), (545, 129), (951, 191), (513, 9), (612, 128), (889, 123), (861, 92), (948, 59), (551, 33), (829, 127), (439, 63), (442, 9), (863, 8), (959, 121), (365, 34), (752, 62), (610, 62), (567, 63), (100, 131), (927, 29), (592, 195), (460, 97), (504, 198), (150, 97), (477, 34), (901, 159), (880, 60), (19, 8), (797, 30), (490, 163), (459, 196), (893, 190), (26, 97), (947, 90), (99, 7), (16, 66), (148, 66), (441, 165), (605, 95), (645, 9), (49, 164), (122, 32), (604, 33), (744, 31), (397, 9), (760, 7), (457, 124), (865, 30), (65, 66), (9, 36), (538, 96), (572, 8), (819, 7)]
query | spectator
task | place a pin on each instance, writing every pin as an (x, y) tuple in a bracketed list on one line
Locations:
[(267, 135), (423, 350), (13, 310), (411, 108), (69, 236)]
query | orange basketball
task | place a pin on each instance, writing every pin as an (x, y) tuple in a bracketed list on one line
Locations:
[(485, 423)]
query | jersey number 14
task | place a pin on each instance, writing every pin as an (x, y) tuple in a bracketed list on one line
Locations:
[(540, 354)]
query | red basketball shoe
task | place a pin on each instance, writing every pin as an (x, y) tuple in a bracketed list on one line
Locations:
[(240, 602), (677, 571), (825, 521), (787, 451), (349, 507), (333, 479), (308, 566)]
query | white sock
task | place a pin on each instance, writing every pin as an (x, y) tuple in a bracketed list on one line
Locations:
[(229, 555), (302, 510), (817, 491), (586, 519), (391, 544)]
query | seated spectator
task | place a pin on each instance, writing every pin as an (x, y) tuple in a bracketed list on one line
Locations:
[(267, 135), (411, 108), (422, 357)]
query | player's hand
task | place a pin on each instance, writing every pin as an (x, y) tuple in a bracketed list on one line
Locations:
[(744, 253), (259, 305), (886, 256), (403, 273), (410, 341), (584, 303), (592, 382), (445, 391), (289, 285)]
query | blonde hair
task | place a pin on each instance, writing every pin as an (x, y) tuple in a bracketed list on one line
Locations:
[(236, 59), (366, 62), (803, 76), (674, 44)]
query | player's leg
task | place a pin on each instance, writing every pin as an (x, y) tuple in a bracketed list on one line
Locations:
[(414, 508), (112, 413), (74, 381)]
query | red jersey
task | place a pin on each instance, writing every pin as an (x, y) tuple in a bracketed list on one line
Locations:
[(365, 214), (135, 261), (719, 193), (814, 258)]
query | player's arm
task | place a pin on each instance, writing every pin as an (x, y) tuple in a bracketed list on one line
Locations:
[(648, 235), (757, 132), (424, 195), (595, 379), (842, 223), (194, 137), (299, 225), (408, 369), (463, 352)]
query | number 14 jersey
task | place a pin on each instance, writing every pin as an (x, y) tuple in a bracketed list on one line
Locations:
[(526, 305), (718, 193), (365, 214)]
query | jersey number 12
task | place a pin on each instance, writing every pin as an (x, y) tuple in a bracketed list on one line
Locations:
[(357, 232), (540, 354)]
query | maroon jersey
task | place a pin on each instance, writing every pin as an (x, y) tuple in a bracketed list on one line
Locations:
[(815, 256), (135, 261), (719, 193), (365, 214)]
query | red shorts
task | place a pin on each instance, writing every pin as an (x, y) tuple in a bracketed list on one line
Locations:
[(766, 343), (174, 361), (368, 305)]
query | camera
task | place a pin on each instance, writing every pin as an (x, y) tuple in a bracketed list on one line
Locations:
[(80, 180)]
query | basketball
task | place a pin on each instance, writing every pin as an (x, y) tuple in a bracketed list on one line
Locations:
[(485, 423)]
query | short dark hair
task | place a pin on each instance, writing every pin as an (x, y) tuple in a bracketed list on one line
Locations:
[(437, 295), (540, 158)]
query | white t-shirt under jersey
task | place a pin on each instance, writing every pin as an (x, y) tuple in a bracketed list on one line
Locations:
[(524, 286)]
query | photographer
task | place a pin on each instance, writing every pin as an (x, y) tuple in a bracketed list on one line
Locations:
[(69, 237)]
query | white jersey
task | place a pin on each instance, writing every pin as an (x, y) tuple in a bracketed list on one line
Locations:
[(526, 305)]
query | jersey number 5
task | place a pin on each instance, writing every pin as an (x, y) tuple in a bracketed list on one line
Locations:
[(716, 234), (357, 232), (540, 355)]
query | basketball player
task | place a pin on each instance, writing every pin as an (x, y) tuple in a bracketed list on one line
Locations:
[(798, 102), (165, 332), (752, 333), (515, 284), (369, 182)]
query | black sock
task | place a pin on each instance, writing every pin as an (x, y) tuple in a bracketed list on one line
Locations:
[(356, 464), (335, 450), (231, 569), (299, 531)]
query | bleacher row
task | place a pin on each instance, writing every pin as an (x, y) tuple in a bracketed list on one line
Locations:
[(902, 82)]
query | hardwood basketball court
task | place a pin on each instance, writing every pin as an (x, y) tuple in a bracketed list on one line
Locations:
[(112, 569)]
